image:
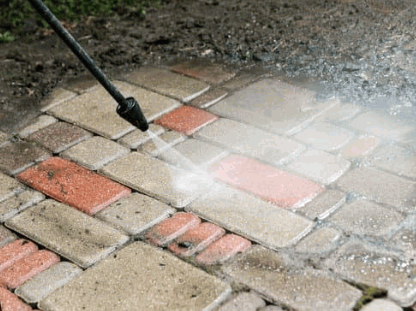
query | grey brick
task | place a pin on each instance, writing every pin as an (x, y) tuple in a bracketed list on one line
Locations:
[(164, 142), (381, 305), (18, 203), (9, 187), (324, 204), (243, 302), (6, 236), (320, 241), (137, 137), (41, 122)]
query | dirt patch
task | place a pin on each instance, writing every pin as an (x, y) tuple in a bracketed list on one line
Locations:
[(293, 37)]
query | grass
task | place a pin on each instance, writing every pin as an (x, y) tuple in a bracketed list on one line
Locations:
[(15, 14)]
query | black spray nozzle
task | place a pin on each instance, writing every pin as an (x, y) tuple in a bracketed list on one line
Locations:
[(131, 112)]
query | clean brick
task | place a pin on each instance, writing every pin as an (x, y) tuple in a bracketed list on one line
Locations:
[(380, 125), (339, 112), (186, 119), (320, 166), (366, 218), (193, 155), (196, 239), (324, 204), (27, 267), (168, 83), (243, 302), (40, 123), (57, 97), (74, 185), (251, 217), (139, 277), (6, 236), (10, 302), (273, 185), (158, 179), (251, 141), (325, 136), (209, 98), (164, 142), (208, 72), (15, 251), (223, 249), (275, 277), (44, 283), (68, 232), (18, 156), (138, 137), (59, 136), (319, 241), (381, 186), (360, 146), (381, 305), (364, 264), (135, 213), (18, 203), (9, 187), (171, 228), (95, 152), (95, 110)]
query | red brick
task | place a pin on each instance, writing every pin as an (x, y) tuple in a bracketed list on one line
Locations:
[(186, 119), (26, 268), (195, 240), (15, 251), (269, 183), (73, 185), (10, 302), (171, 228), (223, 249)]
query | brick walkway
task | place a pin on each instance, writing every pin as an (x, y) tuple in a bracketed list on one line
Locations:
[(268, 200)]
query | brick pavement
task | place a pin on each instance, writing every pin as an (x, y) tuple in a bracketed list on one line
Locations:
[(253, 196)]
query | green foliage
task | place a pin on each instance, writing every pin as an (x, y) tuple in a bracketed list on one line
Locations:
[(6, 37), (17, 12)]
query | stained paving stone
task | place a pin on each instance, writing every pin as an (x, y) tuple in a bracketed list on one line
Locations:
[(6, 236), (222, 250), (40, 123), (59, 136), (340, 112), (364, 217), (18, 203), (360, 146), (193, 154), (82, 84), (320, 166), (68, 232), (95, 110), (380, 125), (243, 302), (95, 152), (57, 97), (209, 98), (166, 140), (208, 72), (325, 136), (15, 251), (27, 267), (3, 138), (168, 83), (324, 204), (10, 302), (271, 275), (158, 179), (196, 239), (320, 241), (136, 213), (44, 283), (272, 105), (381, 305), (270, 184), (395, 159), (9, 187), (171, 228), (381, 187), (18, 156), (251, 141), (74, 185), (243, 78), (138, 137), (364, 264), (186, 119), (251, 217), (166, 284)]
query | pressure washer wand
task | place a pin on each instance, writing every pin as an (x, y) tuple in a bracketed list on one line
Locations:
[(128, 108)]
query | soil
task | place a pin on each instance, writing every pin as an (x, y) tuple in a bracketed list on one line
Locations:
[(354, 44)]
